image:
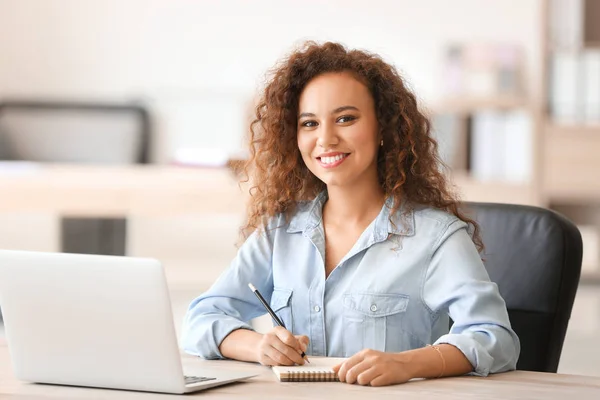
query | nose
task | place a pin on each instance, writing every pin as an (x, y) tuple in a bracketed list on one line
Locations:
[(327, 136)]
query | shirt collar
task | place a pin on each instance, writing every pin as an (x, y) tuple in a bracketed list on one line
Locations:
[(308, 216)]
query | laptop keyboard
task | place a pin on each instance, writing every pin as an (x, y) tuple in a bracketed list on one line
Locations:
[(196, 379)]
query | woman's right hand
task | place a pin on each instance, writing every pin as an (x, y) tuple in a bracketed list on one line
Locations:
[(280, 347)]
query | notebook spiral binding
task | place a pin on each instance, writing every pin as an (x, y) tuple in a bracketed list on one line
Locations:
[(313, 376)]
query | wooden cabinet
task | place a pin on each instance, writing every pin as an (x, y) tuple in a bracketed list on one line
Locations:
[(571, 160)]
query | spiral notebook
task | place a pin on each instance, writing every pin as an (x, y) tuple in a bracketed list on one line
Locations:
[(319, 370)]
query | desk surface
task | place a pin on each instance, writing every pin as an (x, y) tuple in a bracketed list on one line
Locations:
[(513, 385), (105, 191)]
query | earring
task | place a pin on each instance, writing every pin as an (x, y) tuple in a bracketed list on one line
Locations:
[(381, 144)]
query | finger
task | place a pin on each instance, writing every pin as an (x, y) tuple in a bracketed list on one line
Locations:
[(382, 380), (290, 352), (266, 360), (368, 375), (304, 341), (278, 357), (336, 368), (288, 339), (348, 364), (355, 371)]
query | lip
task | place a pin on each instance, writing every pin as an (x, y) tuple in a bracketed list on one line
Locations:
[(331, 154), (334, 164)]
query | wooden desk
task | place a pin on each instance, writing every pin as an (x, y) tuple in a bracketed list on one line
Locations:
[(103, 191), (511, 385), (95, 193)]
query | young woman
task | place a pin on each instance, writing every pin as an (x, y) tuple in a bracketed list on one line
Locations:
[(354, 237)]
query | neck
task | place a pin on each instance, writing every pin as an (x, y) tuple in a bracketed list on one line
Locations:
[(354, 205)]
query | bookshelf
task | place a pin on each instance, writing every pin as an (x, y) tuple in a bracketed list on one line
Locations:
[(458, 148), (570, 131), (564, 115)]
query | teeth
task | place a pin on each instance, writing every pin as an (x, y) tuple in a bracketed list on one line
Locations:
[(331, 160)]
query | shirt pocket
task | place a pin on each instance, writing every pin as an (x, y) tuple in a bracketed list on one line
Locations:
[(281, 303), (375, 321)]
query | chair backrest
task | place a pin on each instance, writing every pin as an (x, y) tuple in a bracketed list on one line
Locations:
[(74, 132), (534, 256)]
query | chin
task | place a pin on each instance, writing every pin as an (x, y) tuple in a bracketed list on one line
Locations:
[(334, 180)]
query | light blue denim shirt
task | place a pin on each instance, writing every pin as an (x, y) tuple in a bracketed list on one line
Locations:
[(394, 291)]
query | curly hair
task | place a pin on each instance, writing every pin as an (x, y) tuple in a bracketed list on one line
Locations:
[(408, 164)]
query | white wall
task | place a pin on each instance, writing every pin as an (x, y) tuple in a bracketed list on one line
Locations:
[(182, 54)]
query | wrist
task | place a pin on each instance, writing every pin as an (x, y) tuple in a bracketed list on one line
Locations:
[(421, 363), (409, 362), (242, 345)]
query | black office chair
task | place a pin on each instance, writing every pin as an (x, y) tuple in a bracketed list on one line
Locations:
[(534, 256)]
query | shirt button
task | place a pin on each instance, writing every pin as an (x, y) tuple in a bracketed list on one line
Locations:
[(317, 308), (373, 307)]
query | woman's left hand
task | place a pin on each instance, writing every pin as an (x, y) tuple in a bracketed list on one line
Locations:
[(375, 368)]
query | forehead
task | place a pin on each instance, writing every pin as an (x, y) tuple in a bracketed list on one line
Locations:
[(334, 89)]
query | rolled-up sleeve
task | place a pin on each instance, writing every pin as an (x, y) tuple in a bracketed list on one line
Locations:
[(457, 283), (229, 304)]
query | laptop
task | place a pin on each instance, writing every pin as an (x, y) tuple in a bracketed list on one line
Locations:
[(95, 321)]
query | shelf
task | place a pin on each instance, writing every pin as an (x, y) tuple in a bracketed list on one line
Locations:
[(494, 191), (571, 155), (582, 129), (466, 104)]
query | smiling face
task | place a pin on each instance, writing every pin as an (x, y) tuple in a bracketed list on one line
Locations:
[(338, 131)]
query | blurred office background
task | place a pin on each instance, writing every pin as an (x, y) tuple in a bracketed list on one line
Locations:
[(121, 120)]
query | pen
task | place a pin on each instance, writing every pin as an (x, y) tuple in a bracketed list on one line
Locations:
[(271, 312)]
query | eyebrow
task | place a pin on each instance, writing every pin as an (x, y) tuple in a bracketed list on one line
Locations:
[(337, 110)]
